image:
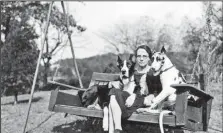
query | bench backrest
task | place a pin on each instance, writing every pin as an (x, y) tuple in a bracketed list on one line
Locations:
[(102, 78)]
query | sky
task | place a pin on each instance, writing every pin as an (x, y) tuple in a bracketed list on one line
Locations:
[(96, 16)]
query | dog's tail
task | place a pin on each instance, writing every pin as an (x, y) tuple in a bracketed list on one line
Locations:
[(162, 113)]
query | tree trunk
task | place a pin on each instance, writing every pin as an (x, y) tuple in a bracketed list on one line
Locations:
[(15, 97), (45, 77), (46, 70)]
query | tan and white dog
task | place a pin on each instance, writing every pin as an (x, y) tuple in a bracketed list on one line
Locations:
[(162, 66)]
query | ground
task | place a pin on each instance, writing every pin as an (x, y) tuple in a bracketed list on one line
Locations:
[(43, 121)]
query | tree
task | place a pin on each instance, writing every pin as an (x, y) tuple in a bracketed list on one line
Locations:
[(57, 22), (19, 50), (125, 37), (166, 37), (211, 49), (205, 41)]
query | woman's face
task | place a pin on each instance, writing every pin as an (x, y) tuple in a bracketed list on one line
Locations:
[(142, 57)]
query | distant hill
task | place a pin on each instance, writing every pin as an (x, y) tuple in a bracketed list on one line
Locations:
[(99, 63)]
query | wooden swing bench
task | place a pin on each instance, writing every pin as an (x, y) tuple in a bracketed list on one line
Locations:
[(189, 115)]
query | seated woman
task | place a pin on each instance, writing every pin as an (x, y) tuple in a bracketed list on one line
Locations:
[(122, 103)]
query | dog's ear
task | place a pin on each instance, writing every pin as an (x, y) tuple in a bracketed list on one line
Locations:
[(132, 58), (163, 50), (119, 61), (152, 53)]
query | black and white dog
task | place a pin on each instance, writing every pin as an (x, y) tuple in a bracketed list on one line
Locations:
[(97, 95)]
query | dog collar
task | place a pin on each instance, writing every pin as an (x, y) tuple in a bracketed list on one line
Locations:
[(166, 69)]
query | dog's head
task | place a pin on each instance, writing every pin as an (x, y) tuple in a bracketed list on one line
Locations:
[(126, 66), (89, 96), (158, 60), (96, 91)]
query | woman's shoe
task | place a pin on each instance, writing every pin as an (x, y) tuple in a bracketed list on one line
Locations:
[(118, 131)]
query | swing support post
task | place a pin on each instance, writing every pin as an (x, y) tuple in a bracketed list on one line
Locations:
[(40, 55), (71, 45), (37, 66)]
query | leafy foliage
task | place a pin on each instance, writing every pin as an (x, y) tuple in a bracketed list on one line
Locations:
[(166, 37), (19, 50), (205, 42)]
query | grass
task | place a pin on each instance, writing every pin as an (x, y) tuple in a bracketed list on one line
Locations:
[(43, 121)]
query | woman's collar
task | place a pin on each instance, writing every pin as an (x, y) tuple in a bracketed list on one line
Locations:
[(145, 70)]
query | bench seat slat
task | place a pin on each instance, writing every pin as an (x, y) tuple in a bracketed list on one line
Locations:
[(104, 77), (81, 111)]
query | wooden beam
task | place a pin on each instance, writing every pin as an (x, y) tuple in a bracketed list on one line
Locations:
[(181, 107), (53, 98), (69, 86), (38, 64), (104, 76), (71, 44), (192, 89), (148, 118), (68, 99), (204, 109)]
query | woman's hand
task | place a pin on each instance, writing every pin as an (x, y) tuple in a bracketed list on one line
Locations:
[(148, 100), (130, 100)]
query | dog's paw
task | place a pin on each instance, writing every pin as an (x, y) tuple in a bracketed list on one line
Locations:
[(130, 100), (115, 84), (147, 110), (142, 110), (93, 106), (98, 107)]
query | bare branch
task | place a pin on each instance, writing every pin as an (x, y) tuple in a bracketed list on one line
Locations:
[(106, 39), (212, 52), (57, 44)]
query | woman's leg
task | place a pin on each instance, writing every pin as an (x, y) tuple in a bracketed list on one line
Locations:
[(111, 120), (116, 112)]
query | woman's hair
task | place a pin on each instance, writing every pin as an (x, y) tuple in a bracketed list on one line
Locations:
[(148, 50)]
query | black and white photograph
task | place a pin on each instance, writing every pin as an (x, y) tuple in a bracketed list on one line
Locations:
[(111, 66)]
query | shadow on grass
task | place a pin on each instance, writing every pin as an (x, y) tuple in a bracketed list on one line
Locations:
[(41, 123), (35, 99), (94, 125)]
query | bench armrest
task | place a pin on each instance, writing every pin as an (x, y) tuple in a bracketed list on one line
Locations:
[(192, 90)]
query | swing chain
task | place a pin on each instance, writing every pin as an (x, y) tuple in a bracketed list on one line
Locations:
[(207, 31), (208, 22)]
